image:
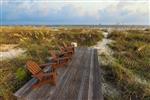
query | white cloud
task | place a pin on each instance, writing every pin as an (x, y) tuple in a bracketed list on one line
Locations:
[(81, 9), (92, 8)]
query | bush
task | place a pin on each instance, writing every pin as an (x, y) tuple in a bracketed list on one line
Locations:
[(21, 74)]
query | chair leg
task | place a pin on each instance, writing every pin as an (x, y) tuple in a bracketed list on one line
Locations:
[(53, 78)]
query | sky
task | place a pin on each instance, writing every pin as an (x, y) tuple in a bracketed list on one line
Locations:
[(75, 12)]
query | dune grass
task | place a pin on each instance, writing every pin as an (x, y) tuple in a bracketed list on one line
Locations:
[(130, 69)]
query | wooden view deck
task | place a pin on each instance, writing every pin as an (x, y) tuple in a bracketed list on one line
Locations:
[(80, 80)]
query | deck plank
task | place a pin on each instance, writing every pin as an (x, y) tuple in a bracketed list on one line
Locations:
[(97, 87)]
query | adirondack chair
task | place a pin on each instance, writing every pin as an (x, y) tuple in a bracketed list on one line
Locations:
[(43, 77), (59, 59), (65, 52), (68, 50), (68, 47)]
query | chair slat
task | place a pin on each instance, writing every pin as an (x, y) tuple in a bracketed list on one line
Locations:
[(33, 67)]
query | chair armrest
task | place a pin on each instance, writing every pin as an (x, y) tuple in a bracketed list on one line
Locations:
[(63, 58), (50, 64), (67, 52), (45, 65)]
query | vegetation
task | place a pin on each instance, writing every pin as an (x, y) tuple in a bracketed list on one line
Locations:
[(37, 41), (129, 71), (12, 75)]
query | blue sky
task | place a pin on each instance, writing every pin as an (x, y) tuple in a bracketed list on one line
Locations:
[(48, 12)]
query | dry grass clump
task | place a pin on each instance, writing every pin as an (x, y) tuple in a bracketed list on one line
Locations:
[(12, 76), (131, 69), (84, 37)]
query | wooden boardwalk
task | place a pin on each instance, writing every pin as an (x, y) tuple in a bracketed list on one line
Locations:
[(80, 80)]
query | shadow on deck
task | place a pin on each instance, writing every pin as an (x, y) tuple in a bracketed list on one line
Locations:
[(80, 80)]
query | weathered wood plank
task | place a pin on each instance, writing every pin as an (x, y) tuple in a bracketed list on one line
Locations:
[(83, 92), (97, 79), (90, 91)]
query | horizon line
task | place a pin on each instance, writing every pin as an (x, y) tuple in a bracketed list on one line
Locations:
[(75, 25)]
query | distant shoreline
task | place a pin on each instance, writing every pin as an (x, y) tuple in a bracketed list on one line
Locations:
[(89, 26)]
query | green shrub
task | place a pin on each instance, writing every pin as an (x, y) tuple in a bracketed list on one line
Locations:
[(21, 74)]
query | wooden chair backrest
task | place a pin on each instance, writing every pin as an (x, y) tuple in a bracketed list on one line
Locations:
[(65, 45), (33, 67), (62, 49), (53, 54)]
